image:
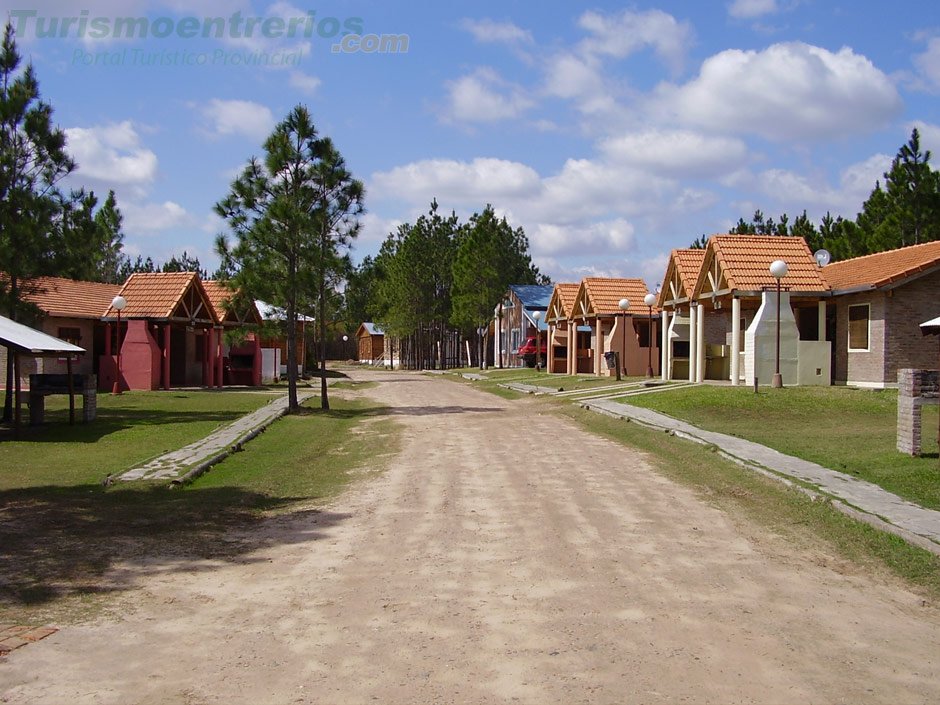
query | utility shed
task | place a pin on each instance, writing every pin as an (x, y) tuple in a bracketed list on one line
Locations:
[(22, 340)]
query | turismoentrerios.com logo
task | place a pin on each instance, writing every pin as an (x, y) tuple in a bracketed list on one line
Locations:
[(349, 34)]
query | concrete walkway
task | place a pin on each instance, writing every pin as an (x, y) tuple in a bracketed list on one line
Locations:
[(172, 465), (875, 505)]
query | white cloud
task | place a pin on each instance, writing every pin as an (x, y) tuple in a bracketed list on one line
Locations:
[(793, 191), (928, 63), (304, 82), (929, 138), (747, 9), (484, 97), (112, 153), (482, 180), (238, 117), (570, 76), (677, 153), (787, 91), (598, 237), (620, 35), (152, 217), (375, 228), (487, 30)]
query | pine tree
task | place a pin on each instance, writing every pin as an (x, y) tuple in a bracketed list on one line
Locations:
[(292, 216), (32, 162)]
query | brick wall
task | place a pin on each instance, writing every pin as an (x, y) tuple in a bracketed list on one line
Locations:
[(914, 388), (856, 367), (906, 308)]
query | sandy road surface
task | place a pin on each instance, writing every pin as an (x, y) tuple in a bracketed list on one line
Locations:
[(480, 570)]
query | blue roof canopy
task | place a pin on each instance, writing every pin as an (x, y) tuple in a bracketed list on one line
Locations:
[(533, 297)]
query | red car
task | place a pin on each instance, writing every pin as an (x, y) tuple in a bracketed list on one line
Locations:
[(527, 351)]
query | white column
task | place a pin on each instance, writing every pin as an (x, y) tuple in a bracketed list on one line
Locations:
[(822, 320), (693, 331), (700, 345), (664, 346), (735, 340)]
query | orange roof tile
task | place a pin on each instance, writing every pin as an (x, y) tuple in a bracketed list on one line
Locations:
[(67, 298), (882, 268), (744, 263), (565, 294), (159, 294), (686, 264), (219, 294), (604, 294)]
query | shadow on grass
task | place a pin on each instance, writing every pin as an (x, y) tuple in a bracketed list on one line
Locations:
[(61, 541), (57, 429)]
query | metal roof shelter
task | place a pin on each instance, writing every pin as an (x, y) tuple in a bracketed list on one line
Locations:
[(23, 340)]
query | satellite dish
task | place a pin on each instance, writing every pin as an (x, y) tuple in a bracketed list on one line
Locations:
[(822, 257)]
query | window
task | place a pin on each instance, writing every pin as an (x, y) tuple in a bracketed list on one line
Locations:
[(859, 315), (515, 339), (70, 335)]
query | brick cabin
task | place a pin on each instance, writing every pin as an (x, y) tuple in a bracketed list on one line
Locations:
[(675, 303), (879, 302)]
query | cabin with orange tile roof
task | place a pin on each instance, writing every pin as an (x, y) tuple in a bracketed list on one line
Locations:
[(561, 326), (170, 331), (631, 334), (732, 315), (68, 310), (878, 302), (242, 356)]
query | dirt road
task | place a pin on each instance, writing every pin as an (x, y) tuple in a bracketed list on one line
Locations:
[(504, 557)]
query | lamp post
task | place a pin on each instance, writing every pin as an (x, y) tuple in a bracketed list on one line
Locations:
[(118, 303), (538, 338), (778, 268), (649, 300), (345, 339), (623, 305)]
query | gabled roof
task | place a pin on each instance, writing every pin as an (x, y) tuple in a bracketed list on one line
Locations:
[(598, 296), (219, 294), (31, 341), (561, 305), (681, 275), (533, 297), (741, 263), (368, 328), (66, 298), (164, 296), (882, 268)]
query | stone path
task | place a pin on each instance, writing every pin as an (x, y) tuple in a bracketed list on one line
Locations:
[(910, 518), (171, 465)]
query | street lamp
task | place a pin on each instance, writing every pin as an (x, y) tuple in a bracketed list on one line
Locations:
[(623, 304), (345, 339), (118, 303), (778, 268), (538, 338), (649, 300)]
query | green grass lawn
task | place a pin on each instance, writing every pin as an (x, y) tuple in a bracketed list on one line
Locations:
[(62, 532), (131, 428), (850, 430)]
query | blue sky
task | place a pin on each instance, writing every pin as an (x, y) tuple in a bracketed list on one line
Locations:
[(612, 132)]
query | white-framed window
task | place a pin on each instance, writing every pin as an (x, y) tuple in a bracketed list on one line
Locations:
[(515, 339), (859, 327)]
